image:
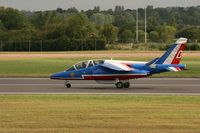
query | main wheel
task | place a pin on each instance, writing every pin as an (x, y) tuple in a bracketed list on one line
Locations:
[(68, 85), (126, 84), (119, 85)]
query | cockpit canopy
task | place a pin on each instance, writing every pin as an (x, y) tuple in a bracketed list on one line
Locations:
[(85, 64)]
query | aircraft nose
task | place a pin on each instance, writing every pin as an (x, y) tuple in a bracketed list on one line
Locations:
[(56, 76), (53, 76)]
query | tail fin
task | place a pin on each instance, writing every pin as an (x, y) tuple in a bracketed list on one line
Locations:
[(174, 53)]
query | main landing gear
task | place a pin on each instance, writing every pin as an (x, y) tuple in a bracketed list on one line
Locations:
[(120, 84), (67, 84)]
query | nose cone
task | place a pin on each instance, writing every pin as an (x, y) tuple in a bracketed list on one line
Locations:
[(57, 75), (53, 76)]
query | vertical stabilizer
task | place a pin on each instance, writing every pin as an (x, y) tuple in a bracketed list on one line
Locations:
[(174, 53)]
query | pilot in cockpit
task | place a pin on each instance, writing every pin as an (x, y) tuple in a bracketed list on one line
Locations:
[(84, 65)]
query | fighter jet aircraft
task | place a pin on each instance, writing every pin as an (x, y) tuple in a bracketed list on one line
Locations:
[(120, 72)]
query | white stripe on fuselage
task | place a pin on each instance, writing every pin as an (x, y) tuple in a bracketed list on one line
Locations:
[(173, 69), (128, 62), (172, 55)]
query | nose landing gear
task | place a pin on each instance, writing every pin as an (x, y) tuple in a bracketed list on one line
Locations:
[(67, 84)]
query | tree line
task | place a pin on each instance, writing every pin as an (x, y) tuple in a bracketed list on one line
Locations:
[(70, 29)]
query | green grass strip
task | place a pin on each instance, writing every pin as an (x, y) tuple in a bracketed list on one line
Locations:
[(107, 114)]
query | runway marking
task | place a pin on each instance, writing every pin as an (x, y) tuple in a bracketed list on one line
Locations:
[(32, 84), (24, 78), (100, 94)]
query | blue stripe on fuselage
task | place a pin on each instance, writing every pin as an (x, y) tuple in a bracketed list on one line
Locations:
[(164, 57)]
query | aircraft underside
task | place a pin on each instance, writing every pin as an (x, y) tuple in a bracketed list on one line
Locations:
[(120, 81), (113, 77)]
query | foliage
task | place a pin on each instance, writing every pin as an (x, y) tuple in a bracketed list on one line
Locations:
[(193, 33), (102, 19), (118, 25), (166, 33), (110, 33), (154, 35), (11, 19), (127, 35)]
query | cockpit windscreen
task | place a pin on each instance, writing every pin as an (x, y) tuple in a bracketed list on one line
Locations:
[(85, 64)]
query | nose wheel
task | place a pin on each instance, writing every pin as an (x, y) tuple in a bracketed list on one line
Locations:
[(67, 84)]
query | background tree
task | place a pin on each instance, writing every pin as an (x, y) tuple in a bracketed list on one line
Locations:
[(166, 33), (64, 28), (141, 35), (110, 33), (101, 19), (12, 19), (192, 33), (79, 27), (127, 36), (154, 36)]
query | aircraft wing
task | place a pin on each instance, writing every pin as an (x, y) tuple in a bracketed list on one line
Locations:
[(117, 66)]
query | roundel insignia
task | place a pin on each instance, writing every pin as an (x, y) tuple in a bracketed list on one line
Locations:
[(72, 74)]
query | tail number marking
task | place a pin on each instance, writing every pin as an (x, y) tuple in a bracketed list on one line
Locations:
[(179, 55)]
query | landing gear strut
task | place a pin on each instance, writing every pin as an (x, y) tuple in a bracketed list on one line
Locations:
[(67, 84), (120, 84)]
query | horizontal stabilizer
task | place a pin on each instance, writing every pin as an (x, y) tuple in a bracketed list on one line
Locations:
[(174, 69)]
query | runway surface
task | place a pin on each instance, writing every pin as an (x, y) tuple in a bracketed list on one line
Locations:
[(150, 86)]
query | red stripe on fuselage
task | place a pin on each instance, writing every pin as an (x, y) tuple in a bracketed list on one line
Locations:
[(177, 68), (127, 66)]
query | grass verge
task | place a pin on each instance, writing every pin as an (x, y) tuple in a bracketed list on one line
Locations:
[(59, 113)]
